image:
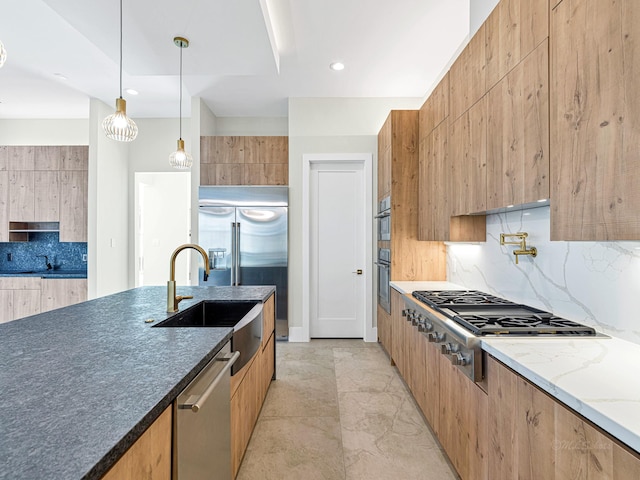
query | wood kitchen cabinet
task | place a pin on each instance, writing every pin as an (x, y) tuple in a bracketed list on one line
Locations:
[(467, 76), (249, 388), (512, 31), (61, 292), (21, 195), (150, 456), (595, 120), (240, 160), (384, 331), (532, 435), (468, 159), (19, 297), (384, 159), (398, 348), (73, 206), (518, 134)]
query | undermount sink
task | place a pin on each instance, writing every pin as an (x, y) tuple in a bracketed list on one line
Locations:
[(245, 317)]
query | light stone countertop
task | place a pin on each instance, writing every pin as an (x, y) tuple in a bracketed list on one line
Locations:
[(596, 377)]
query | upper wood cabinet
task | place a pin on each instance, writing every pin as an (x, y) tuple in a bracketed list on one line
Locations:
[(467, 76), (468, 159), (411, 259), (384, 159), (513, 30), (236, 160), (518, 134), (595, 120), (73, 206), (436, 108), (21, 195)]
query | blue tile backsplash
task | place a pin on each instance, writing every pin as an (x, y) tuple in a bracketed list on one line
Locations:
[(23, 256)]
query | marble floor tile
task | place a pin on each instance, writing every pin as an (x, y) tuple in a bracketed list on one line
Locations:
[(339, 410), (306, 448)]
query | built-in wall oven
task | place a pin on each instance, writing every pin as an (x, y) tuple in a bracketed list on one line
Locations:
[(384, 219), (384, 277)]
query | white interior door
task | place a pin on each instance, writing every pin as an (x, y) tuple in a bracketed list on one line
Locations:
[(337, 250)]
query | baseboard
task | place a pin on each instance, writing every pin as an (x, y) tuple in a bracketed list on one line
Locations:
[(296, 335), (371, 335)]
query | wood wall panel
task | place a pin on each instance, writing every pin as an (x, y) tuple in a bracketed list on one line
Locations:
[(595, 123)]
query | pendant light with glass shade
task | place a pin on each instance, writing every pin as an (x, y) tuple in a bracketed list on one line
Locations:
[(3, 55), (180, 159), (118, 126)]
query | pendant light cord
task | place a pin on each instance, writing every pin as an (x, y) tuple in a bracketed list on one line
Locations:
[(181, 48), (120, 48)]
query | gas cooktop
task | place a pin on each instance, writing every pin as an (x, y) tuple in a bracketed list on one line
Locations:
[(485, 314)]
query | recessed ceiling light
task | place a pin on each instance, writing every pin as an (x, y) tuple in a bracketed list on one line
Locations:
[(337, 66), (131, 91)]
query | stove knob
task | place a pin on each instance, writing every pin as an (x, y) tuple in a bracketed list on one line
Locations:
[(446, 348), (459, 359), (435, 337), (417, 319), (427, 327)]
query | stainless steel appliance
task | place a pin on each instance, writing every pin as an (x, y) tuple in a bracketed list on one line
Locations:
[(384, 278), (202, 416), (456, 319), (384, 219), (244, 229)]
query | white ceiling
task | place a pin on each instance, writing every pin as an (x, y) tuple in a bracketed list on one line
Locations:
[(246, 57)]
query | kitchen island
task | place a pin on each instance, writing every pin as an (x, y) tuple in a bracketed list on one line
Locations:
[(80, 384)]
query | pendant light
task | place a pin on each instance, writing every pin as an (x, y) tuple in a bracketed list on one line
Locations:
[(3, 55), (180, 159), (118, 126)]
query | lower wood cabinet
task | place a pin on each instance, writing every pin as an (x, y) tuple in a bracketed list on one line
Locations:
[(150, 456), (384, 331), (19, 297), (249, 388), (533, 436), (62, 292)]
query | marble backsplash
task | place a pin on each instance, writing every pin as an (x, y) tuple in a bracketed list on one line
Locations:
[(595, 283)]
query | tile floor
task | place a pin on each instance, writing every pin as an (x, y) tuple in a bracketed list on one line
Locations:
[(339, 411)]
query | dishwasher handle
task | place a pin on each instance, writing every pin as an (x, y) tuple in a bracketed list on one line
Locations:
[(197, 404)]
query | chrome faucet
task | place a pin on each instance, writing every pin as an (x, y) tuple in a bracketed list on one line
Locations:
[(46, 260), (172, 299)]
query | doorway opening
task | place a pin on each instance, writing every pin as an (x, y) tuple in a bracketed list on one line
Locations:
[(162, 223)]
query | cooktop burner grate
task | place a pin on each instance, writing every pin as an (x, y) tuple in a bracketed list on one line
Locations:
[(485, 314)]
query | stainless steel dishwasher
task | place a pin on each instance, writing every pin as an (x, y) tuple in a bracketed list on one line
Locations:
[(202, 416)]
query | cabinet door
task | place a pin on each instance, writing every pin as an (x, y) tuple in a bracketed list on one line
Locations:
[(434, 185), (384, 158), (384, 331), (467, 78), (6, 306), (20, 158), (73, 206), (4, 205), (513, 30), (21, 196), (47, 158), (26, 303), (61, 292), (518, 134), (150, 456), (595, 120), (467, 143), (436, 108), (397, 330), (74, 157), (46, 196), (268, 319)]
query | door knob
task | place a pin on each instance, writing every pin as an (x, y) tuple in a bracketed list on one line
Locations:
[(359, 271)]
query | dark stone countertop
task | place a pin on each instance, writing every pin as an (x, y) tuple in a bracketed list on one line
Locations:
[(80, 384), (45, 273)]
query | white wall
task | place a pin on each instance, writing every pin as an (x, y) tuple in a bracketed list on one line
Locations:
[(479, 11), (328, 125), (259, 126), (596, 283), (108, 234), (44, 132)]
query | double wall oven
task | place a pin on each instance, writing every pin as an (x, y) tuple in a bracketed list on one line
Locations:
[(384, 253), (458, 319)]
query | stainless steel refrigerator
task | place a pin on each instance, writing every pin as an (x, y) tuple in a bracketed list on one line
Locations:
[(244, 231)]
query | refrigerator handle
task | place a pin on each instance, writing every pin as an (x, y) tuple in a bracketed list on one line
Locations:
[(233, 253), (237, 254)]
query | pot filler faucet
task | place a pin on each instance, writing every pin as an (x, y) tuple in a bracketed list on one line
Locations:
[(172, 299)]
